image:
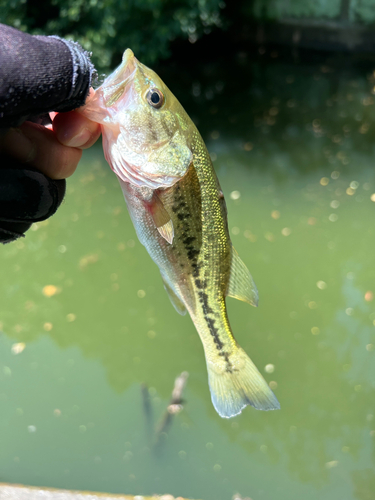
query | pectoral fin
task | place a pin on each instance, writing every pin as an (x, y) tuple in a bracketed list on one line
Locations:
[(161, 219), (167, 231), (176, 301), (241, 284)]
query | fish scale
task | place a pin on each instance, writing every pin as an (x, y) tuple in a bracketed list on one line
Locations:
[(179, 213)]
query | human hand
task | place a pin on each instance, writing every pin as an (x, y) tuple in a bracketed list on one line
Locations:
[(35, 159), (53, 150)]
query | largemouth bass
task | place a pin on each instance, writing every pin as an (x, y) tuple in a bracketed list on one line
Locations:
[(179, 213)]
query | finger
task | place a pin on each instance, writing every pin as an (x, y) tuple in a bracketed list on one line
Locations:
[(64, 87), (75, 130), (38, 147)]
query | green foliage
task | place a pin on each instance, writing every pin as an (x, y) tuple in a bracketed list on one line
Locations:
[(107, 27), (278, 9), (363, 11)]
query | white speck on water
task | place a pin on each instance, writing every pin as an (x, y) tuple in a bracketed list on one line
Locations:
[(333, 463), (31, 428), (333, 217), (322, 285), (18, 348), (286, 231), (269, 368), (235, 195)]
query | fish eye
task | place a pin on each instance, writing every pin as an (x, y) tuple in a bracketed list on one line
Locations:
[(155, 98)]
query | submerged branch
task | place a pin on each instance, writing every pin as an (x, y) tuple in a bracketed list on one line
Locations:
[(175, 405)]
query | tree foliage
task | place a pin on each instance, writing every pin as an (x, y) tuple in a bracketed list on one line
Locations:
[(107, 27)]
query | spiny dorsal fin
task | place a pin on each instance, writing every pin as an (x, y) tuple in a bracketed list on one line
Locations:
[(241, 284), (176, 301), (161, 218)]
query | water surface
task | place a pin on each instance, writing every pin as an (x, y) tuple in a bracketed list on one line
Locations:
[(85, 320)]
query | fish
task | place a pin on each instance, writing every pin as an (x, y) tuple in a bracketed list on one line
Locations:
[(179, 213)]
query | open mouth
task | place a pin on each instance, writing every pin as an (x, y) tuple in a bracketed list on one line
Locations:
[(114, 87)]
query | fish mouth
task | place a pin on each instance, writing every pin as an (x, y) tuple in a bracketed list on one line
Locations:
[(114, 86), (128, 56), (125, 71)]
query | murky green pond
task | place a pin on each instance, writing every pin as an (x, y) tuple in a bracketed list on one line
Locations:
[(86, 323)]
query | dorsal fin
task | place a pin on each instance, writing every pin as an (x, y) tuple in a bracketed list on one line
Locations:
[(241, 284), (176, 301), (162, 219)]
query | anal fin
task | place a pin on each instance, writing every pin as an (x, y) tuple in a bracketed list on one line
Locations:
[(176, 301), (241, 284)]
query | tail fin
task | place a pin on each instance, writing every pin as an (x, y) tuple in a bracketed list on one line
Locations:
[(240, 384)]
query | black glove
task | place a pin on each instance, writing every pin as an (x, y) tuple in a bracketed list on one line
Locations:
[(38, 74)]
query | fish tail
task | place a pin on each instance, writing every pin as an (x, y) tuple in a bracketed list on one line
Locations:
[(237, 383)]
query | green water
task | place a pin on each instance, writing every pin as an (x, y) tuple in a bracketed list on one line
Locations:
[(294, 151)]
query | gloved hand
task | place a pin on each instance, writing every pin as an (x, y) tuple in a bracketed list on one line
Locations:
[(38, 75)]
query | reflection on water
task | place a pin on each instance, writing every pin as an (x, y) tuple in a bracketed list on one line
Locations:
[(86, 322)]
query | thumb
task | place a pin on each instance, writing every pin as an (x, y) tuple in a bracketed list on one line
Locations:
[(39, 74)]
